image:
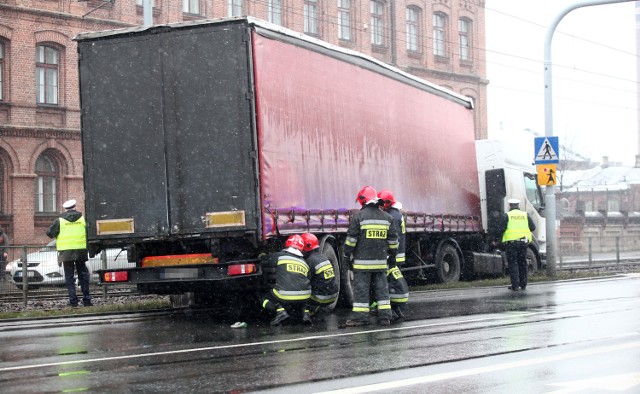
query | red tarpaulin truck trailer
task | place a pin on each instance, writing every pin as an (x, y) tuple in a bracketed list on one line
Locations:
[(205, 144)]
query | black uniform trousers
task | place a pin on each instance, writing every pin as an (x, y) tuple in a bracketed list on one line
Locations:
[(517, 261)]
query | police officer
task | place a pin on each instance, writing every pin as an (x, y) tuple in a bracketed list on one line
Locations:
[(398, 287), (324, 288), (516, 227), (292, 282), (69, 230), (371, 241)]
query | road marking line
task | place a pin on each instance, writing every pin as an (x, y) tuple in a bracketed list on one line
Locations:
[(252, 344), (477, 371)]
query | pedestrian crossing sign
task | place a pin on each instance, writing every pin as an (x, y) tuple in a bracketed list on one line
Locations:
[(546, 150), (547, 174)]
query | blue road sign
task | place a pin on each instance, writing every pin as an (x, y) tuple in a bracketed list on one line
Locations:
[(546, 150)]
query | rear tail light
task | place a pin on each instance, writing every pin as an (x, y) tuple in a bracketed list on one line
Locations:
[(118, 276), (241, 269)]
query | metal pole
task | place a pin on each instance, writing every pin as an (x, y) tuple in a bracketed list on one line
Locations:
[(590, 255), (147, 12), (25, 276), (103, 259), (618, 251), (550, 197)]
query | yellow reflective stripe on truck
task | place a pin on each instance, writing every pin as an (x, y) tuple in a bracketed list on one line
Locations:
[(180, 259)]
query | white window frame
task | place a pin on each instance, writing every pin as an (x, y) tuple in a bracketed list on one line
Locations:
[(191, 7), (236, 7), (464, 31), (439, 34), (344, 20), (275, 11), (311, 17), (377, 22), (413, 29), (47, 73)]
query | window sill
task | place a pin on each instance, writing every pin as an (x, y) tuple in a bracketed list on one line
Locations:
[(379, 48), (192, 17), (414, 54), (441, 59)]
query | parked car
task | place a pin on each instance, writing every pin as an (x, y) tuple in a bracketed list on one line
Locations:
[(43, 269)]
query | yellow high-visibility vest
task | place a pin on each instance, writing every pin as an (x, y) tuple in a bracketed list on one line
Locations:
[(518, 227), (73, 235)]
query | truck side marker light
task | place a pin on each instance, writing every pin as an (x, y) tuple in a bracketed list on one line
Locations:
[(241, 269)]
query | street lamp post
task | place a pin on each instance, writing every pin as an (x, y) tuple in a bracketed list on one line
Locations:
[(550, 198)]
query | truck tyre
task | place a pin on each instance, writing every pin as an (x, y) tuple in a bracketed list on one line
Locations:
[(532, 261), (448, 264), (329, 252)]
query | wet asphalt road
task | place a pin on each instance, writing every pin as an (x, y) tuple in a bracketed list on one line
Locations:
[(552, 337)]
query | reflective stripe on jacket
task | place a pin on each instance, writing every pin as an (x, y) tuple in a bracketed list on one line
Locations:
[(371, 237), (73, 235), (292, 281), (324, 288), (401, 230), (518, 227)]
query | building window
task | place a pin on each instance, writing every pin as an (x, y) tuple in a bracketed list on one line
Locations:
[(275, 12), (439, 28), (464, 31), (377, 22), (235, 7), (311, 16), (46, 184), (141, 3), (1, 71), (191, 7), (413, 29), (344, 19), (47, 59)]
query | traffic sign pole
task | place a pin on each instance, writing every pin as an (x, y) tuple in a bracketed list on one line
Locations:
[(550, 196)]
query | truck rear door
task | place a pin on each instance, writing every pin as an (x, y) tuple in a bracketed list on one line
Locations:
[(168, 136)]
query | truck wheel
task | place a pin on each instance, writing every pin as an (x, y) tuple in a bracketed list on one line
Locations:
[(447, 264), (330, 253), (532, 261)]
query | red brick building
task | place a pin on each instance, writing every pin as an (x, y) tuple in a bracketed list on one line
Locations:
[(40, 151)]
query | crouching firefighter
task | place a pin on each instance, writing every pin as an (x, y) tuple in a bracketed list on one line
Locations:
[(292, 282), (324, 288)]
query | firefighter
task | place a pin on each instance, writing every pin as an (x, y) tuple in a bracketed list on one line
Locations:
[(398, 287), (516, 227), (324, 288), (371, 242), (292, 282)]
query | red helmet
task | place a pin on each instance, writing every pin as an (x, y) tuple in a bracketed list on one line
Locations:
[(310, 242), (366, 194), (387, 198), (294, 241)]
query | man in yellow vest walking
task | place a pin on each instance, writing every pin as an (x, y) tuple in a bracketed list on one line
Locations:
[(516, 228), (70, 233)]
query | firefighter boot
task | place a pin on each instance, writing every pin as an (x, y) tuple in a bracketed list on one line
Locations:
[(281, 316), (306, 317)]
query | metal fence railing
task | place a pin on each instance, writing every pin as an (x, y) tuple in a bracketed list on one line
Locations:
[(39, 264), (591, 248), (44, 277)]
